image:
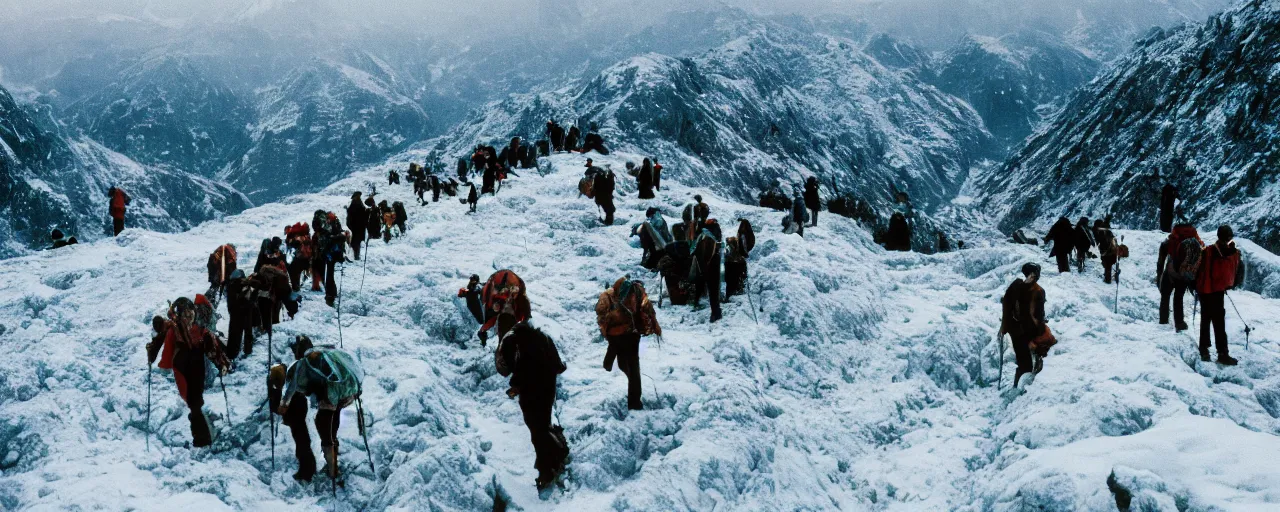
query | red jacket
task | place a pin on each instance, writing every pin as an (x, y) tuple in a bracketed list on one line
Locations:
[(1218, 269), (118, 201)]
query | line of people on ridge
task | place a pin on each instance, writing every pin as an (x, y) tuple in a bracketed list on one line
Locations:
[(804, 204)]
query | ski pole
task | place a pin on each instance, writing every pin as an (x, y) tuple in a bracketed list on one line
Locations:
[(661, 282), (340, 279), (1247, 329), (271, 415), (364, 267), (364, 434), (750, 302), (1117, 308), (148, 406)]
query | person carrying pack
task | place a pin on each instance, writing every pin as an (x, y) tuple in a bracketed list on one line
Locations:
[(189, 343), (799, 216), (531, 359), (1218, 272), (812, 199), (472, 295), (624, 315), (1176, 268), (334, 379), (603, 187), (1084, 240), (270, 253), (222, 263), (243, 312), (1023, 320), (373, 222), (1063, 236), (357, 220), (402, 216), (504, 292), (331, 242), (297, 240), (735, 267), (704, 270), (1108, 249)]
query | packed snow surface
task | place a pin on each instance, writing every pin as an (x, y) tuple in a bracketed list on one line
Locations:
[(868, 383)]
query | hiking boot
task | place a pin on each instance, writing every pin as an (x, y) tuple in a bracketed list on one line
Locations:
[(301, 477), (1204, 356), (1180, 326), (1226, 360)]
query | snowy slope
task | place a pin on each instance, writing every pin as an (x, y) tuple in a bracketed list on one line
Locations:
[(1196, 107), (867, 384)]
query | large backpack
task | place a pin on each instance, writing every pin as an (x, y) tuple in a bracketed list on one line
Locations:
[(222, 263), (586, 186), (505, 290), (339, 371), (625, 308), (1185, 250), (538, 350), (1107, 243), (298, 237)]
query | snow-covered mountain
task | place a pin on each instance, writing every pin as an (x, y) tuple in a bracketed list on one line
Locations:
[(323, 119), (168, 111), (772, 104), (1014, 81), (1196, 107), (51, 179), (854, 379)]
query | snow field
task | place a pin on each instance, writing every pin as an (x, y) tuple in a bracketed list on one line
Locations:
[(868, 383)]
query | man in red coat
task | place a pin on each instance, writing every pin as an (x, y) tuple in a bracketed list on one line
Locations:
[(118, 200), (1217, 274)]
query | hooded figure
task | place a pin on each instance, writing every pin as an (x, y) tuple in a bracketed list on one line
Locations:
[(1084, 241), (473, 197), (812, 200), (1023, 317), (357, 218), (1062, 234), (373, 219), (645, 179)]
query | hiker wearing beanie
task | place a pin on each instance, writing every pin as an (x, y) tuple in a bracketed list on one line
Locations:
[(472, 295), (373, 220), (191, 343), (655, 237), (1023, 317), (334, 379), (1218, 267), (531, 359), (357, 220), (704, 270), (799, 216)]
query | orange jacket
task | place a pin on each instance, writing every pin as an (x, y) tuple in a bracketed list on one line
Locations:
[(118, 201), (1218, 269)]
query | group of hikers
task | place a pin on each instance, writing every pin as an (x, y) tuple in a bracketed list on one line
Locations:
[(805, 203), (1184, 263)]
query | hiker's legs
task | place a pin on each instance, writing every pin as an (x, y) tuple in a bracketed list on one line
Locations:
[(815, 216), (1064, 260), (117, 225), (238, 329), (1179, 292), (1215, 316), (1022, 355), (327, 422), (296, 419), (628, 347), (1080, 257), (191, 365), (355, 248), (330, 286), (1166, 293), (535, 405), (713, 290)]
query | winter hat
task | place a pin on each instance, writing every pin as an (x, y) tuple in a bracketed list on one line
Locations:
[(697, 197), (56, 235), (1031, 269), (238, 274), (588, 164), (157, 323), (300, 346), (650, 211), (1225, 233)]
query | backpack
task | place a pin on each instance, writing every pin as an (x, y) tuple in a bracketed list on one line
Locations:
[(539, 350), (733, 251), (298, 236), (504, 290), (340, 373), (701, 211), (1184, 253), (222, 263), (628, 310), (586, 186)]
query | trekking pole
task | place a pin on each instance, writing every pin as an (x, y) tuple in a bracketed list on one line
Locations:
[(148, 406), (271, 415), (341, 275), (365, 435), (1117, 305), (661, 282), (1247, 329), (365, 267), (224, 396), (1000, 379), (750, 302)]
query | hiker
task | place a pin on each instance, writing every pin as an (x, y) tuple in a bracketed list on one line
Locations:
[(318, 220), (1108, 248), (901, 224), (571, 140), (944, 245), (1062, 234), (472, 295), (463, 170), (58, 241), (624, 315), (489, 178), (657, 175), (695, 216), (1176, 268), (812, 200), (531, 359), (746, 236), (190, 343), (1083, 236), (357, 220), (798, 216), (331, 240), (393, 178), (420, 189), (274, 291), (294, 417), (373, 220), (1168, 199), (655, 237), (603, 187), (644, 179), (242, 311), (388, 217), (269, 253), (1023, 317), (511, 153), (473, 197), (221, 264), (435, 187), (117, 201), (1217, 274), (297, 238), (333, 378), (402, 216), (704, 271), (735, 267), (503, 292), (556, 134), (594, 142)]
